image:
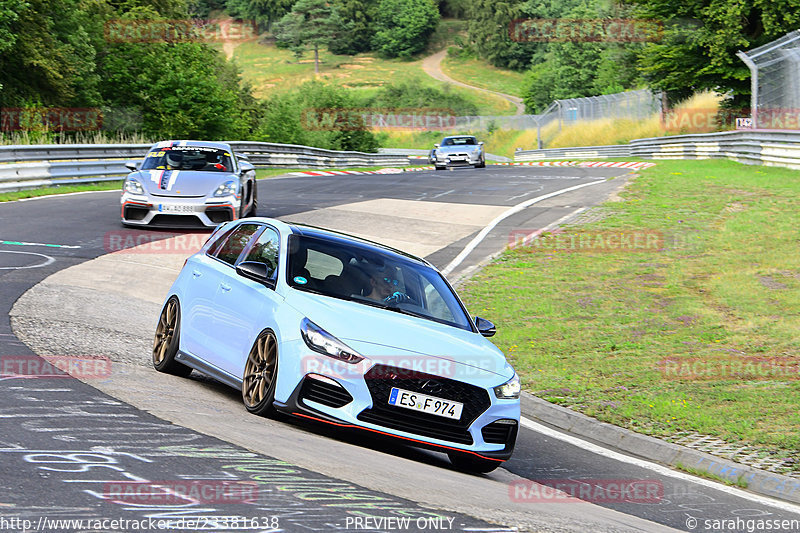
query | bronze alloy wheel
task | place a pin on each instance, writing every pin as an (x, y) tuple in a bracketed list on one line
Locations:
[(165, 343), (258, 384)]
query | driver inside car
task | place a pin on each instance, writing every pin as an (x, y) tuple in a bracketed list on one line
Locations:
[(385, 288)]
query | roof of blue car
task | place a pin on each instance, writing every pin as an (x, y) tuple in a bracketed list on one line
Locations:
[(344, 238)]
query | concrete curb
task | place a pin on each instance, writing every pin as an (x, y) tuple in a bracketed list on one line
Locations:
[(659, 451)]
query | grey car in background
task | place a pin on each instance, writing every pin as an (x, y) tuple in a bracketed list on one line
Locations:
[(188, 184), (458, 151)]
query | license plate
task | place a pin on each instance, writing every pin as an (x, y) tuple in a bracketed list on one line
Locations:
[(426, 404), (176, 208)]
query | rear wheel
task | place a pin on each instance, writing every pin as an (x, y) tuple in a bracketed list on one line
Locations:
[(260, 373), (440, 167), (467, 462), (165, 343)]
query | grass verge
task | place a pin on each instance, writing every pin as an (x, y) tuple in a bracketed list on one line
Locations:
[(667, 341), (481, 74)]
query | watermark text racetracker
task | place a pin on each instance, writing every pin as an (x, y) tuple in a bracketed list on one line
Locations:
[(179, 30), (598, 241), (730, 368), (350, 119), (54, 366), (154, 242), (585, 30), (586, 490)]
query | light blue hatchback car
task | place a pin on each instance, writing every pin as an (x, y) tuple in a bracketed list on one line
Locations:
[(336, 329)]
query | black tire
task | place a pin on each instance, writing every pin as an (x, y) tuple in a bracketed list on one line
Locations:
[(254, 208), (482, 164), (466, 462), (440, 168), (260, 375), (167, 339)]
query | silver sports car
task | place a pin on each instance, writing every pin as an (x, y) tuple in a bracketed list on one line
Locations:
[(460, 150), (188, 184)]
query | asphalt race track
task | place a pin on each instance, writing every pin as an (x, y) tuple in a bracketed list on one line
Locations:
[(69, 449)]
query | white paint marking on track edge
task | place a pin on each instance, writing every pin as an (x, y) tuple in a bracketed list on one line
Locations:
[(47, 260), (659, 469), (511, 211)]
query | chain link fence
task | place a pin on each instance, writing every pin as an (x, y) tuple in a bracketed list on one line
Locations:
[(775, 83), (635, 105)]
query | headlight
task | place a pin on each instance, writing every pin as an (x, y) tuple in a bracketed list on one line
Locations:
[(508, 390), (134, 187), (323, 342), (228, 188)]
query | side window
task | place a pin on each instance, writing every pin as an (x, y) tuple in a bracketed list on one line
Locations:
[(265, 250), (232, 247), (218, 237), (321, 265)]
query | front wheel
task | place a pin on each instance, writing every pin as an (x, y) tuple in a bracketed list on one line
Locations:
[(440, 167), (165, 343), (260, 373), (254, 207), (472, 463)]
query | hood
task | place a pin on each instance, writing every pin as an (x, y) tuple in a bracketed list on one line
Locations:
[(182, 182), (396, 339)]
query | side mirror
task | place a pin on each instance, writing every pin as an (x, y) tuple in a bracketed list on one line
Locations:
[(480, 143), (485, 327), (133, 166), (436, 146), (243, 156), (258, 272), (246, 166)]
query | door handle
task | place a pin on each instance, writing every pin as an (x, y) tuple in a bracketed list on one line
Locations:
[(224, 287)]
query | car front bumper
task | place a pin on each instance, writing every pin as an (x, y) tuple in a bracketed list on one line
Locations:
[(356, 399), (458, 159), (147, 210)]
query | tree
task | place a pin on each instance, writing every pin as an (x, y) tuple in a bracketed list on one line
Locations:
[(404, 26), (264, 12), (310, 23), (698, 47), (355, 35)]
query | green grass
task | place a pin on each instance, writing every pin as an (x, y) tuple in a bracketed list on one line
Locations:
[(740, 482), (478, 73), (64, 189), (591, 330), (270, 69)]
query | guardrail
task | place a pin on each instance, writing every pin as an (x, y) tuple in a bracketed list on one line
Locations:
[(423, 154), (578, 152), (752, 147), (33, 166)]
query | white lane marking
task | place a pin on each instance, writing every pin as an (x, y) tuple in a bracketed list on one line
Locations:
[(513, 210), (443, 193), (23, 243), (47, 260), (659, 469)]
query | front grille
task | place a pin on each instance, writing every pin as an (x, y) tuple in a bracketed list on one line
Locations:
[(133, 212), (498, 433), (218, 215), (380, 381), (177, 220), (325, 393)]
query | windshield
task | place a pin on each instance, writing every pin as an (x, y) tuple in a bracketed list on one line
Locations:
[(363, 274), (188, 158), (459, 141)]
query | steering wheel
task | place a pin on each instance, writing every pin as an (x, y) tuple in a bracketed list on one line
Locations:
[(399, 298)]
